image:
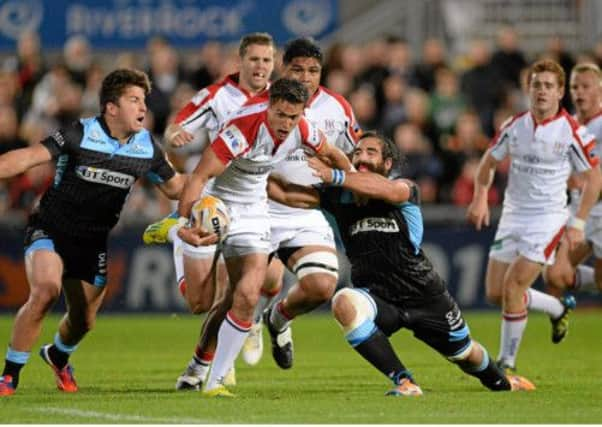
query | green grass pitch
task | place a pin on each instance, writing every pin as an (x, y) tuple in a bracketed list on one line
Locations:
[(127, 367)]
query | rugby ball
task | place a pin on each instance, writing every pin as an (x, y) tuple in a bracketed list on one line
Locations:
[(211, 214)]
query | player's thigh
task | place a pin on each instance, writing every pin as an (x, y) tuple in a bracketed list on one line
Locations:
[(522, 272), (201, 279), (247, 273), (44, 269), (316, 268)]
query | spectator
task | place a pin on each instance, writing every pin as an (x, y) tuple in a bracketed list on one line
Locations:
[(9, 130), (446, 103), (508, 60), (433, 57), (393, 113), (77, 55)]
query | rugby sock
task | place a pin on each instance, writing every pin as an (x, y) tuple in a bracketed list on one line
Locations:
[(200, 362), (14, 362), (539, 301), (377, 350), (178, 262), (59, 353), (172, 233), (585, 279), (513, 327), (279, 318), (230, 338), (490, 375), (265, 299)]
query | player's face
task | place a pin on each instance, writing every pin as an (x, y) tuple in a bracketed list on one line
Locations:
[(256, 66), (586, 93), (283, 117), (545, 93), (305, 70), (368, 157), (131, 109)]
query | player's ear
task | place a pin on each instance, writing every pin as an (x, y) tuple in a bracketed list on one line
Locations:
[(388, 164)]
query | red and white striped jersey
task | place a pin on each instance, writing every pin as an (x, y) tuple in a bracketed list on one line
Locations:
[(542, 156), (250, 150), (211, 106)]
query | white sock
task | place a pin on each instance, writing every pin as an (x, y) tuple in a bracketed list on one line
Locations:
[(265, 299), (513, 327), (172, 233), (230, 338), (539, 301), (178, 258), (585, 280), (279, 319)]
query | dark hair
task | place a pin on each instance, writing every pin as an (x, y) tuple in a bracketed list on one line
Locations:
[(116, 82), (388, 148), (288, 90), (302, 47), (263, 39)]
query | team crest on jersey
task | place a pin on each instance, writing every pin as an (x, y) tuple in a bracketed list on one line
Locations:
[(234, 139), (105, 176), (200, 96), (558, 148)]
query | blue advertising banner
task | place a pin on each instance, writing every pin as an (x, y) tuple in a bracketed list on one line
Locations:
[(142, 279), (128, 24)]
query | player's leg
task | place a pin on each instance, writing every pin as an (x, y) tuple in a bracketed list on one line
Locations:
[(356, 312), (83, 300), (206, 281), (252, 350), (44, 269), (565, 273), (439, 323), (316, 268), (247, 273), (494, 280), (520, 276)]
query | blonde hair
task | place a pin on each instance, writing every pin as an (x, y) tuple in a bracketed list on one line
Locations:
[(585, 67)]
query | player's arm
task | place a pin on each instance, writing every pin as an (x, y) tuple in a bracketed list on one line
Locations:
[(478, 210), (333, 156), (367, 184), (208, 167), (173, 187), (18, 161), (290, 194), (592, 179), (176, 136)]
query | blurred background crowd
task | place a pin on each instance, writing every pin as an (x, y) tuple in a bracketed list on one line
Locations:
[(440, 109)]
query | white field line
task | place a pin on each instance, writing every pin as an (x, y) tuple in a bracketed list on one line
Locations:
[(117, 417)]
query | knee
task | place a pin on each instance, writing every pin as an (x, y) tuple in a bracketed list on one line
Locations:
[(318, 287), (352, 309), (493, 297), (556, 278), (198, 305), (43, 297), (342, 308)]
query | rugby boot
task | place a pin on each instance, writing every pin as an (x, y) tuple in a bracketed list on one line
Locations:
[(282, 342), (560, 326), (65, 381)]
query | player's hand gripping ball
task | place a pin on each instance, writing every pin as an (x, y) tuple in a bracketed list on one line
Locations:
[(212, 215)]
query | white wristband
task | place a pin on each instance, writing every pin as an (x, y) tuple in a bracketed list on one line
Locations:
[(576, 223)]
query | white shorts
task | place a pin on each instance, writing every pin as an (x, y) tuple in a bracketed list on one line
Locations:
[(535, 238), (593, 234), (308, 228)]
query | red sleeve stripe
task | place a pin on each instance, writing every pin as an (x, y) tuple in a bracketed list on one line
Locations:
[(591, 159), (221, 150)]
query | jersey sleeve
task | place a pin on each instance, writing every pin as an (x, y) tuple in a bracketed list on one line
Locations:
[(347, 140), (230, 143), (311, 136), (161, 170), (500, 143), (64, 140), (199, 113), (581, 152)]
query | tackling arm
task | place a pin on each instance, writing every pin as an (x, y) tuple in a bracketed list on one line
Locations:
[(174, 187), (296, 196)]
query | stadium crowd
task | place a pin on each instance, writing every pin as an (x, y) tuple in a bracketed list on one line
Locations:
[(440, 109)]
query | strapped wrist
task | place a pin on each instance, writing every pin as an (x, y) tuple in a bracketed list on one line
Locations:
[(577, 223), (337, 177)]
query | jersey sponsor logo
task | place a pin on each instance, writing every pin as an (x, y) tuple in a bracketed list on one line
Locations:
[(383, 225), (96, 137), (104, 176), (234, 139), (137, 149)]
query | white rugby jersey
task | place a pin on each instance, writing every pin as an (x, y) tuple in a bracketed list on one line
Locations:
[(211, 106), (594, 125), (250, 150), (542, 156), (332, 114)]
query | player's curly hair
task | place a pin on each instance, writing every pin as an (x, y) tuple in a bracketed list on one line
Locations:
[(288, 90), (304, 47), (389, 149), (549, 66), (116, 82)]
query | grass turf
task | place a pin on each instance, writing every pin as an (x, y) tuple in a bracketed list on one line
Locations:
[(126, 369)]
